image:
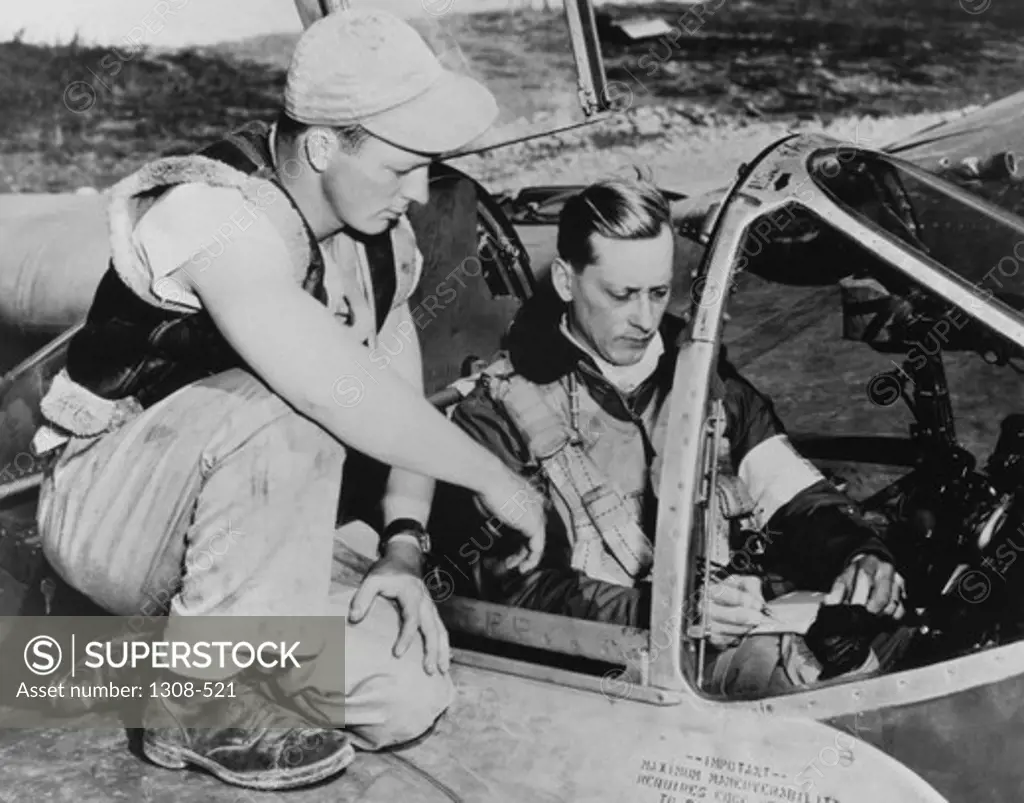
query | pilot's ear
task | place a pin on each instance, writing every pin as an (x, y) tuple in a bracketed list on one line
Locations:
[(561, 278), (320, 146)]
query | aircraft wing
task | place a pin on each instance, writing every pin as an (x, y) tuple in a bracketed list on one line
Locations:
[(991, 129), (54, 253)]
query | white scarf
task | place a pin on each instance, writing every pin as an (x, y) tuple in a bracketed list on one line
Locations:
[(624, 377)]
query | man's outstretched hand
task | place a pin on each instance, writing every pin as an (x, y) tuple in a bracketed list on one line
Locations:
[(398, 577), (872, 582), (520, 506)]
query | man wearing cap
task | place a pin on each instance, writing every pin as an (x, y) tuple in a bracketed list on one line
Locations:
[(221, 375)]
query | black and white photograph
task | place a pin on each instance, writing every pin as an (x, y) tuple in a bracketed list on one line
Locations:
[(527, 401)]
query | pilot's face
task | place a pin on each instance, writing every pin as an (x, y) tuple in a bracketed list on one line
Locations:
[(617, 303)]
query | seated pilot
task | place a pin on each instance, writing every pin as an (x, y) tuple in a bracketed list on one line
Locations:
[(580, 404)]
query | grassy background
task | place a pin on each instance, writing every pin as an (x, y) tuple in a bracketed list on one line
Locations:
[(79, 115)]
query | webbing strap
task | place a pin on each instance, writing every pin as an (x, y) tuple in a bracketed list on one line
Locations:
[(598, 508)]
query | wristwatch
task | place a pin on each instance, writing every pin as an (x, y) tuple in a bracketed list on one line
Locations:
[(406, 527)]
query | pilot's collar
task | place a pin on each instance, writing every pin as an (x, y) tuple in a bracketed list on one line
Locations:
[(626, 378)]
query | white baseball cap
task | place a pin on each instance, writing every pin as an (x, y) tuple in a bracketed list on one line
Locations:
[(371, 68)]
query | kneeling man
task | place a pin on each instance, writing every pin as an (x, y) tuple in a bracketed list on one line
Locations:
[(580, 406)]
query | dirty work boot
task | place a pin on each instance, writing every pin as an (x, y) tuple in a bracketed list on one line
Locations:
[(246, 741)]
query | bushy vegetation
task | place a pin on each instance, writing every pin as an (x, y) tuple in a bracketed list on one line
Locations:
[(75, 115)]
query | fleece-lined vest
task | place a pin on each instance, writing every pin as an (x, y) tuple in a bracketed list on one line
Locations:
[(129, 347)]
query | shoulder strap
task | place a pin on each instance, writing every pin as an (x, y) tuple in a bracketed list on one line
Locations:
[(596, 503), (395, 267), (380, 254), (535, 411), (246, 149)]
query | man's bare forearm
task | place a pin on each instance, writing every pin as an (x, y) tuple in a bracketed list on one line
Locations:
[(292, 342), (407, 495), (371, 409)]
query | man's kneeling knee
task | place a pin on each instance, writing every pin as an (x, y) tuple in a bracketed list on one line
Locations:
[(409, 705)]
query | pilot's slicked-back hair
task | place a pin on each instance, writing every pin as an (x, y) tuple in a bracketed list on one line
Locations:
[(619, 209)]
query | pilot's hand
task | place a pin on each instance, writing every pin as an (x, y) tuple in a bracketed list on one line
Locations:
[(520, 506), (872, 582), (398, 577), (735, 606)]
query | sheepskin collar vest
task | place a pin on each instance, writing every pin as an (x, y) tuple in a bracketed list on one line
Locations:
[(135, 344)]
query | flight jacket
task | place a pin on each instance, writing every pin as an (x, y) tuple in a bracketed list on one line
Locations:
[(812, 533)]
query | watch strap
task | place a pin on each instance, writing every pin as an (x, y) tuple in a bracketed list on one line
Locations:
[(406, 526)]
